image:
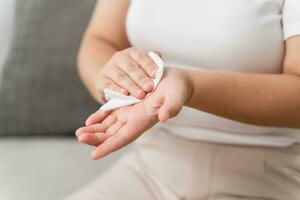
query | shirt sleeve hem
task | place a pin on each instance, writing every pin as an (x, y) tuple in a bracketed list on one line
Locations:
[(292, 29)]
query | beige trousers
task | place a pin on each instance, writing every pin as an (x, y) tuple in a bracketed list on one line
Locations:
[(162, 166)]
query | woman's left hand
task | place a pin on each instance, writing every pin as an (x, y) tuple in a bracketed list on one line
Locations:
[(111, 131)]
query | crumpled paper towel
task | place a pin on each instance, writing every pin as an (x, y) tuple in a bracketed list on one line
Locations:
[(117, 100)]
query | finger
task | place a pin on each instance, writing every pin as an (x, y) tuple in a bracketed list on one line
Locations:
[(83, 130), (108, 83), (92, 129), (93, 139), (104, 125), (100, 127), (115, 142), (122, 79), (100, 132), (112, 130), (145, 61), (110, 145), (96, 117), (114, 86), (136, 73)]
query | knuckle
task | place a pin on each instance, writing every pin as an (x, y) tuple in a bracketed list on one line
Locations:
[(149, 64), (141, 78), (131, 87), (120, 77), (130, 68), (140, 55)]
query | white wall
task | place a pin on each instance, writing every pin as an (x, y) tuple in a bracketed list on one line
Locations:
[(6, 20)]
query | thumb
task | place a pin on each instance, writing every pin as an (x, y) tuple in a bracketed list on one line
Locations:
[(167, 111)]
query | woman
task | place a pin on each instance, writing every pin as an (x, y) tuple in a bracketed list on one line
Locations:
[(233, 65)]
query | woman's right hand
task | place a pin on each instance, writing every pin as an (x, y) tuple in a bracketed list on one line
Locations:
[(128, 71), (110, 131)]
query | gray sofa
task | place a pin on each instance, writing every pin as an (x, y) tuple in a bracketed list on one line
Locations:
[(42, 100)]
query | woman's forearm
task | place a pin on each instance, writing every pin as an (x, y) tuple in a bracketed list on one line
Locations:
[(93, 55), (268, 100)]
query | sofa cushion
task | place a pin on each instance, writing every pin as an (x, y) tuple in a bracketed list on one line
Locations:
[(48, 168), (40, 91)]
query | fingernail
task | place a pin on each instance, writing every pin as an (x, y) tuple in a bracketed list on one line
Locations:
[(148, 85), (139, 92)]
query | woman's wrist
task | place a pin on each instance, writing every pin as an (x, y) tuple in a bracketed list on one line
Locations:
[(193, 77), (189, 85)]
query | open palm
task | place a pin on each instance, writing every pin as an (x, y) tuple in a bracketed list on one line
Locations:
[(111, 131)]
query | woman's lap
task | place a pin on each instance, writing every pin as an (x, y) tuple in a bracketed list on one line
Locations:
[(162, 166), (122, 181)]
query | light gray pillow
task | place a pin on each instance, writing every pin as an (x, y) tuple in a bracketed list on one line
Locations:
[(40, 92)]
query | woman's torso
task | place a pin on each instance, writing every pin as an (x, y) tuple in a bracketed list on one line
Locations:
[(236, 35)]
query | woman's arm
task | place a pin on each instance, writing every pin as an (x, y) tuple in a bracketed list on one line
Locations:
[(272, 100), (104, 36), (259, 99), (105, 59)]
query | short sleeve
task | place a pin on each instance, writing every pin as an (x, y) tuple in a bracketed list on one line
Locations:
[(291, 18)]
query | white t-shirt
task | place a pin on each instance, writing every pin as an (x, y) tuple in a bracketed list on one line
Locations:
[(229, 35)]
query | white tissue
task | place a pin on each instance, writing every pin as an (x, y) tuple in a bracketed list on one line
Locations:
[(117, 100)]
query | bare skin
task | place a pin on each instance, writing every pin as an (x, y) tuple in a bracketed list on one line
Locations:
[(111, 131), (259, 99)]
